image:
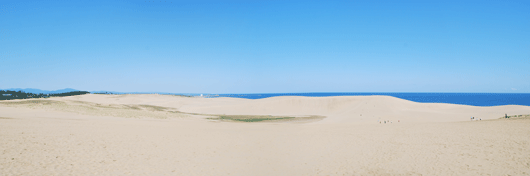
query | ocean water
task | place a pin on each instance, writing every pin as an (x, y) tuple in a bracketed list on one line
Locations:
[(474, 99)]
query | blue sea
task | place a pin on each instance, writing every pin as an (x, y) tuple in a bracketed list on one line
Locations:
[(474, 99)]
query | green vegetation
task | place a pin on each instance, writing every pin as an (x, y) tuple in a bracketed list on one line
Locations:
[(89, 108), (153, 108), (141, 111), (517, 117), (132, 107), (247, 118), (263, 118), (11, 95), (31, 102), (104, 93)]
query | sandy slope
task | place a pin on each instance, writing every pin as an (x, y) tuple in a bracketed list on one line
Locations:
[(119, 135), (341, 109)]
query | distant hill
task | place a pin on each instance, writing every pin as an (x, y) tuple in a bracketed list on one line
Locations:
[(38, 91)]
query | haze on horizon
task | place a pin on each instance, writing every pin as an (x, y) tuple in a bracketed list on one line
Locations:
[(266, 46)]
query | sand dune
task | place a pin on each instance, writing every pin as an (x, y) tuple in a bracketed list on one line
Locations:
[(341, 109), (171, 135)]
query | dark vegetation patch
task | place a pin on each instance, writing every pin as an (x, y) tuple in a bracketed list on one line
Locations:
[(5, 118), (527, 116), (132, 107), (12, 95), (32, 102), (86, 105), (247, 118), (264, 118), (153, 108)]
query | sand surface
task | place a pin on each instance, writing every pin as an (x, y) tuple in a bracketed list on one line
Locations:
[(172, 135)]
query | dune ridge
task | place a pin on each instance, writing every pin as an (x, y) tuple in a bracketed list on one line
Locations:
[(340, 109)]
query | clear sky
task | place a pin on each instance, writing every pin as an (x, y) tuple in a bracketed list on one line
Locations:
[(266, 46)]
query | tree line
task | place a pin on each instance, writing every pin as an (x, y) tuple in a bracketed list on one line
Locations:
[(10, 95)]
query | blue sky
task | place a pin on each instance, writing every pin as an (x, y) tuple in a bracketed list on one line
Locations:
[(266, 46)]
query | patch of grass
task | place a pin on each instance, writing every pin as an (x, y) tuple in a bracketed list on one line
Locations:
[(262, 118), (247, 118), (153, 108), (89, 108), (106, 106), (132, 107), (31, 102), (527, 116)]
